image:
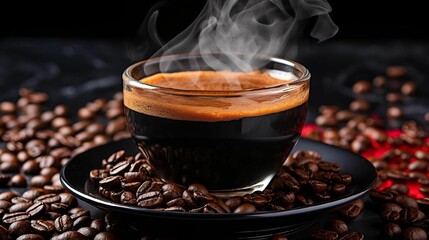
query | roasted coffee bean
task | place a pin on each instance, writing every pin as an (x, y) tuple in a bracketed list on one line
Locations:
[(63, 223), (400, 188), (233, 202), (352, 236), (20, 207), (131, 186), (324, 234), (353, 209), (213, 208), (9, 218), (337, 226), (30, 236), (408, 88), (19, 199), (97, 174), (382, 196), (405, 201), (59, 207), (410, 215), (128, 198), (245, 208), (391, 231), (151, 199), (136, 176), (98, 224), (116, 157), (9, 167), (88, 232), (40, 181), (120, 168), (111, 183), (30, 167), (69, 235), (149, 186), (19, 228), (105, 236), (414, 233), (7, 196), (4, 204), (116, 195), (78, 212), (43, 227), (18, 180), (82, 221), (48, 198)]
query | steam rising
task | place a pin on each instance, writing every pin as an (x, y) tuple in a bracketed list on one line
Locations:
[(245, 29)]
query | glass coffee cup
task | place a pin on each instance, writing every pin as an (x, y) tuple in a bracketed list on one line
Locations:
[(226, 129)]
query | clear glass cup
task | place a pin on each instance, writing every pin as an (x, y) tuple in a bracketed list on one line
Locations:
[(228, 130)]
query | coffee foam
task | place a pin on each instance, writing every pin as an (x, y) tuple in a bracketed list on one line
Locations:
[(211, 109)]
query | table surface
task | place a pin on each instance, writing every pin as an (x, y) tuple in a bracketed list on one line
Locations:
[(74, 71)]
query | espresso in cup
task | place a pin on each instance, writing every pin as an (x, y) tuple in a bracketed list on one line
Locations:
[(230, 131)]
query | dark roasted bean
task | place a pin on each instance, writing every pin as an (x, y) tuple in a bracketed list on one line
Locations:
[(9, 218), (391, 230), (245, 208), (70, 235), (324, 234), (30, 236), (88, 232), (337, 226), (43, 227), (414, 233), (19, 228), (105, 236), (63, 223)]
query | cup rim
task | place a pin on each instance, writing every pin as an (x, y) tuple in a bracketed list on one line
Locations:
[(131, 82)]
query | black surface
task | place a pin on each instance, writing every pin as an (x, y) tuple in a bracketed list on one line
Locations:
[(74, 176)]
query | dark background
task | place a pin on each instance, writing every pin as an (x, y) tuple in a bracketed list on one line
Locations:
[(364, 19)]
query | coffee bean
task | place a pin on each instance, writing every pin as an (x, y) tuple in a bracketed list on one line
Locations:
[(337, 226), (151, 199), (4, 204), (20, 207), (245, 208), (19, 228), (69, 235), (128, 198), (406, 201), (120, 168), (7, 196), (233, 202), (360, 105), (78, 212), (30, 167), (98, 224), (7, 107), (9, 167), (414, 233), (408, 88), (324, 234), (394, 112), (353, 236), (82, 221), (63, 223), (9, 218), (48, 198), (111, 183), (391, 230), (105, 236), (43, 227), (353, 209), (40, 181), (68, 199), (30, 236), (88, 232)]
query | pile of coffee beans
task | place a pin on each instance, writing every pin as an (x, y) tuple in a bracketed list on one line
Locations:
[(36, 142), (304, 180), (399, 154)]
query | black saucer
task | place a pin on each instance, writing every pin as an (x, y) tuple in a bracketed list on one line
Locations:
[(75, 173)]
